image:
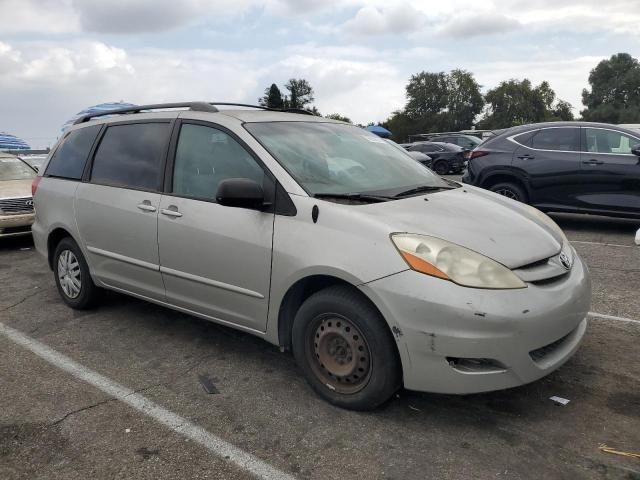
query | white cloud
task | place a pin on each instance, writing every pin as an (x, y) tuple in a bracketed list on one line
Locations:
[(396, 18), (370, 17), (468, 25), (42, 16)]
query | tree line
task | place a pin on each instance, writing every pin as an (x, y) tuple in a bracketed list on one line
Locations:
[(453, 101)]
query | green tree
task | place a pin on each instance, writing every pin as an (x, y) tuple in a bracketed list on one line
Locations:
[(464, 100), (337, 116), (437, 102), (563, 111), (300, 93), (426, 94), (518, 102), (614, 96), (272, 97)]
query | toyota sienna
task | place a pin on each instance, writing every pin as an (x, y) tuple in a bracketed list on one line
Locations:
[(317, 236)]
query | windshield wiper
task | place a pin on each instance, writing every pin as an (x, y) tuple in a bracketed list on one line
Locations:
[(423, 189), (355, 196)]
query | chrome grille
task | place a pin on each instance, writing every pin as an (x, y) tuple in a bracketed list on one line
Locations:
[(16, 205)]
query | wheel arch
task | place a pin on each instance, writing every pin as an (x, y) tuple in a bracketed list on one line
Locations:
[(303, 289), (512, 176), (54, 237)]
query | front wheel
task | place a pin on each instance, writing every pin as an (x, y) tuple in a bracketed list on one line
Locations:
[(441, 168), (510, 190), (345, 349)]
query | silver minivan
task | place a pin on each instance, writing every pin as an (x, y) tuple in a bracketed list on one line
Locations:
[(317, 236)]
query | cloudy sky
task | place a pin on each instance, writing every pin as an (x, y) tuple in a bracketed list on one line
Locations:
[(59, 56)]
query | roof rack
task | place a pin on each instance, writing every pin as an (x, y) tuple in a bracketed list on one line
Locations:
[(193, 106)]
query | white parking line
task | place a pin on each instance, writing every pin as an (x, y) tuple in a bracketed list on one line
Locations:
[(612, 317), (601, 243), (126, 395)]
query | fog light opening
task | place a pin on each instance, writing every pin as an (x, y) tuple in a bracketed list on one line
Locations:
[(476, 365)]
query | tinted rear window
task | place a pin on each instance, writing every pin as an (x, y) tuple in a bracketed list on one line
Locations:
[(564, 139), (70, 157), (131, 156)]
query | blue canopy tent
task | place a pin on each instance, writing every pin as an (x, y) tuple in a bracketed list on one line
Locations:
[(11, 142), (103, 107), (380, 131)]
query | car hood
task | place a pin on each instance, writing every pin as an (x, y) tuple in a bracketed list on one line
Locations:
[(507, 231), (15, 188)]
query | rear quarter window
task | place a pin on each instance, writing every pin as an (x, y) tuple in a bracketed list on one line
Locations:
[(70, 157), (558, 139)]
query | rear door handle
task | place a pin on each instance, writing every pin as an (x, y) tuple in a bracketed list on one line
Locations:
[(593, 162), (526, 156), (172, 211), (146, 206)]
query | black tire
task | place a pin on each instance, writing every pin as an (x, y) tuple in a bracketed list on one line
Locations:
[(337, 308), (88, 293), (510, 190), (441, 167)]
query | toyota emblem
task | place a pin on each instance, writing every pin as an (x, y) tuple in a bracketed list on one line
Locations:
[(565, 261), (29, 203)]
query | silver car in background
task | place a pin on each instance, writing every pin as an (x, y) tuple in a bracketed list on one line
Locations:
[(16, 203), (319, 237)]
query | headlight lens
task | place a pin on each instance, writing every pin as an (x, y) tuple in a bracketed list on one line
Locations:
[(439, 258)]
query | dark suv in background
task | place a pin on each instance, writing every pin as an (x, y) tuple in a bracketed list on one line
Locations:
[(563, 167)]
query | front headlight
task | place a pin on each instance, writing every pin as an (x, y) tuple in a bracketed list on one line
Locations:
[(439, 258)]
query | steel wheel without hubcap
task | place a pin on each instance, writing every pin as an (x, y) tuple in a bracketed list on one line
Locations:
[(69, 274), (339, 354)]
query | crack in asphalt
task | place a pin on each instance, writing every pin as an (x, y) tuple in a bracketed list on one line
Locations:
[(101, 402), (9, 307)]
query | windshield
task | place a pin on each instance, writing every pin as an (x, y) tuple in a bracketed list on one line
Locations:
[(341, 159), (14, 169)]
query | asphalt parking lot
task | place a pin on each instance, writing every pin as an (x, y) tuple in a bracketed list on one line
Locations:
[(54, 425)]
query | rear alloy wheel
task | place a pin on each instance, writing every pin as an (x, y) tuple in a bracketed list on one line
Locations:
[(73, 280), (510, 190), (345, 349), (441, 168)]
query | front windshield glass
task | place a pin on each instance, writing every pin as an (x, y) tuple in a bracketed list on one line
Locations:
[(14, 169), (341, 159)]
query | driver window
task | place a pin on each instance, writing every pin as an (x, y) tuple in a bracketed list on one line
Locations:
[(204, 157), (609, 141)]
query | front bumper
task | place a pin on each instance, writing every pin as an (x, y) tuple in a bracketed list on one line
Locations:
[(14, 225), (460, 340)]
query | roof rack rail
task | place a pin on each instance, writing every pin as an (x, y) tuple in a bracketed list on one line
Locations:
[(297, 110), (262, 107), (195, 106)]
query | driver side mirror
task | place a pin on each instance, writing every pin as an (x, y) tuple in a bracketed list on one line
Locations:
[(636, 150), (241, 193)]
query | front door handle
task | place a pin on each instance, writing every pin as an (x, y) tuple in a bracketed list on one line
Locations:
[(593, 162), (172, 211), (526, 156), (146, 206)]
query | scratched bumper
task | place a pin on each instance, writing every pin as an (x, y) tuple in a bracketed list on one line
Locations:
[(13, 225), (525, 333)]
